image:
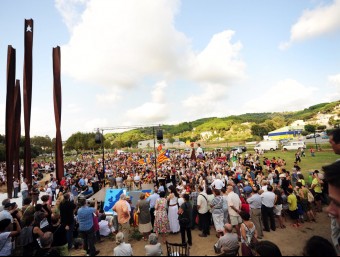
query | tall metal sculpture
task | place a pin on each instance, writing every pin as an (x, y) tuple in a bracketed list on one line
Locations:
[(11, 60), (17, 129), (28, 97), (57, 112)]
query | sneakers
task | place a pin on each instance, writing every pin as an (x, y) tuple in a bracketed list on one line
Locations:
[(96, 253)]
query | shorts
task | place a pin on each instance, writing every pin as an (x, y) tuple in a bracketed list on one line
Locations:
[(294, 215), (235, 220), (317, 196), (278, 210)]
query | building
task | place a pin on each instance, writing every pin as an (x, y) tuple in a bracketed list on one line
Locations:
[(150, 144), (285, 133)]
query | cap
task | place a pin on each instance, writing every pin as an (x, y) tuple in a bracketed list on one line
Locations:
[(7, 205), (128, 198)]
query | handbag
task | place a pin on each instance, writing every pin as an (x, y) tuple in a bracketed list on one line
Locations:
[(310, 197)]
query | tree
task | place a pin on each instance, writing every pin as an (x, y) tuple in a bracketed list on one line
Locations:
[(310, 128), (259, 130)]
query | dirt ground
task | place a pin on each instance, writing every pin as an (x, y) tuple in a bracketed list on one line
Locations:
[(290, 240)]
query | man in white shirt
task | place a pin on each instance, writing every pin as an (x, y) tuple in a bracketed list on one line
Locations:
[(234, 208), (24, 189), (267, 209), (199, 150), (218, 183), (202, 206)]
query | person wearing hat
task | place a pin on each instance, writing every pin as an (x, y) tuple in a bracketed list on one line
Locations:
[(6, 234)]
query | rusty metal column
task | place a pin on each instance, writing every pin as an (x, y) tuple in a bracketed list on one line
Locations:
[(10, 118), (28, 97), (17, 129), (57, 113)]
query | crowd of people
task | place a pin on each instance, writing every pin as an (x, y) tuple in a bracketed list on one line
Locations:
[(238, 196)]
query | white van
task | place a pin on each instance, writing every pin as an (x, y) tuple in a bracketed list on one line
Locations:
[(267, 146), (294, 146)]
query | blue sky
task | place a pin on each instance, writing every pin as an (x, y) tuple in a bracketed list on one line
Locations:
[(138, 62)]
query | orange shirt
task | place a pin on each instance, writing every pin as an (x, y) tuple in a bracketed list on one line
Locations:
[(122, 211)]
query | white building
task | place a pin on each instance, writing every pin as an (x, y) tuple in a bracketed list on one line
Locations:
[(150, 144)]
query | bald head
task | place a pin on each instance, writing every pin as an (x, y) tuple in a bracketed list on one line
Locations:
[(228, 228), (230, 188)]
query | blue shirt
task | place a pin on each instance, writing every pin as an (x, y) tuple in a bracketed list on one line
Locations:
[(85, 218), (152, 200), (74, 190), (82, 182)]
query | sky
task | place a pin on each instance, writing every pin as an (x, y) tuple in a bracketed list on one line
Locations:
[(141, 62)]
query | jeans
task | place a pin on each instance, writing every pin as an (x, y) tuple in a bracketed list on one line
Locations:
[(16, 191), (89, 241), (24, 195)]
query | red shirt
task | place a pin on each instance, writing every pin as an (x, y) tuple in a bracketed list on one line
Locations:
[(63, 182)]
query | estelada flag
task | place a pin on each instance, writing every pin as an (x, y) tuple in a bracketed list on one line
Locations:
[(163, 156)]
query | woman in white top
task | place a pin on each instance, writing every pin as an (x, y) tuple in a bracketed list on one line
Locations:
[(122, 249), (248, 234), (173, 210)]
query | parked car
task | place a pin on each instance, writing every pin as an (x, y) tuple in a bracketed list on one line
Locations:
[(294, 146), (267, 146), (239, 149), (313, 136)]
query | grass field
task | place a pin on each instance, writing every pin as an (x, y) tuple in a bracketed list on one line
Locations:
[(308, 163)]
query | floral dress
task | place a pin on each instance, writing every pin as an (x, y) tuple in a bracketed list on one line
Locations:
[(161, 217)]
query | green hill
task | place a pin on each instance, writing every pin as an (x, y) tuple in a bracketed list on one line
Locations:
[(245, 127)]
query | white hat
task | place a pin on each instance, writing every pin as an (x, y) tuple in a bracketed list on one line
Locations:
[(282, 175)]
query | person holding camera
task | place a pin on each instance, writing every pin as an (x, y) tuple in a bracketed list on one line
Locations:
[(86, 226)]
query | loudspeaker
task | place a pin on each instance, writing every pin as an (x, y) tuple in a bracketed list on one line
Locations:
[(98, 138), (159, 134)]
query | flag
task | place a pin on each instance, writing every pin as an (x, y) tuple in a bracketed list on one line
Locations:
[(141, 161), (159, 148), (163, 156)]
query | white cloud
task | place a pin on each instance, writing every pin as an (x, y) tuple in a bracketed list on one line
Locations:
[(287, 95), (219, 62), (117, 43), (111, 97), (154, 111), (95, 123), (122, 44), (335, 80), (207, 100), (73, 108), (314, 23), (69, 10)]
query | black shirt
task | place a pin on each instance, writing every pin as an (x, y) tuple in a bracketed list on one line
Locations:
[(67, 212)]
